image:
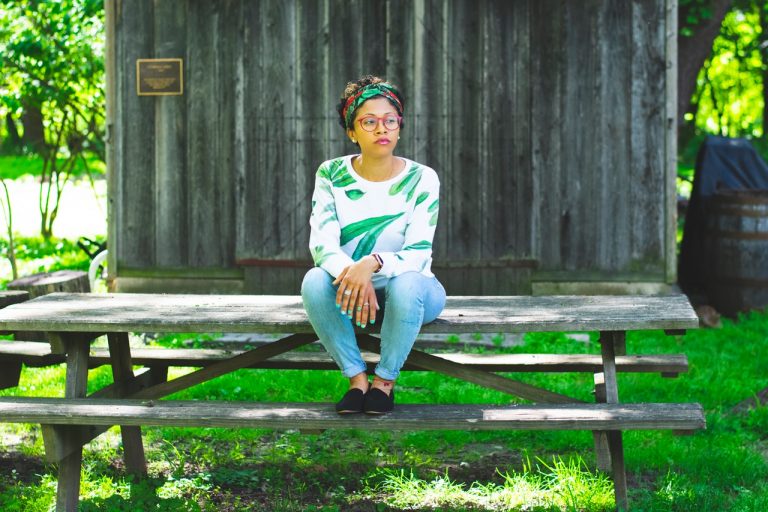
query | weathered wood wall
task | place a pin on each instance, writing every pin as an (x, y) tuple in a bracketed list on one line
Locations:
[(548, 122)]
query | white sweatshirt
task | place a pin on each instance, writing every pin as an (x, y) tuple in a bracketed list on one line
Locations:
[(353, 217)]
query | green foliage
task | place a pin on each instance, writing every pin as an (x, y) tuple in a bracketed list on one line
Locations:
[(14, 167), (37, 254), (51, 57), (693, 13), (729, 94)]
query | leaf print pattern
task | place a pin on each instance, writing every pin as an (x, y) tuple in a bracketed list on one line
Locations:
[(337, 174), (424, 244), (434, 209), (352, 231), (319, 254), (354, 194), (408, 184), (422, 197)]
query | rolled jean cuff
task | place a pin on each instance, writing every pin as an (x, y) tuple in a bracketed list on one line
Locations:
[(386, 374), (353, 370)]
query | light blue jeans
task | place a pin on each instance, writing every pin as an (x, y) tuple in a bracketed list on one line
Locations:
[(408, 301)]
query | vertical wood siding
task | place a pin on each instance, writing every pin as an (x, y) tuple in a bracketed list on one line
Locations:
[(545, 119)]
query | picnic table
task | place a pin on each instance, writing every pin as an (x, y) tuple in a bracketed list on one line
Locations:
[(73, 321)]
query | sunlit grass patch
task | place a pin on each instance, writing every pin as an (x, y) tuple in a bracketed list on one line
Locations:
[(559, 485)]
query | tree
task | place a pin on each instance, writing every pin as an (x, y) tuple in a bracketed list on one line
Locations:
[(699, 23), (52, 56)]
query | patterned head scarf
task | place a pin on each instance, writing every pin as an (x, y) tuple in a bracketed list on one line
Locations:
[(370, 91)]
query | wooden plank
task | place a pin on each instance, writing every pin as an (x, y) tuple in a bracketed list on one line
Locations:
[(670, 139), (464, 208), (122, 371), (13, 297), (135, 136), (202, 212), (400, 36), (609, 342), (506, 134), (10, 372), (112, 117), (581, 145), (619, 474), (480, 377), (613, 201), (171, 177), (648, 136), (285, 314), (547, 111), (68, 487), (38, 354), (345, 64), (227, 26), (56, 452), (643, 416), (602, 450), (314, 117), (430, 117)]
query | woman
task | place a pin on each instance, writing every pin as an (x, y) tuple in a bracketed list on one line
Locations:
[(372, 223)]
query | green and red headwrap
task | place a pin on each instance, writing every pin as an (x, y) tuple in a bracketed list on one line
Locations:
[(367, 92)]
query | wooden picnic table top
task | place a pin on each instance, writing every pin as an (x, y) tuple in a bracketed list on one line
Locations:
[(134, 312)]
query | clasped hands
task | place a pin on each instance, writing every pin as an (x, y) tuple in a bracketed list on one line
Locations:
[(355, 294)]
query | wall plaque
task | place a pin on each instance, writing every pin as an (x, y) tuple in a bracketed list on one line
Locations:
[(159, 77)]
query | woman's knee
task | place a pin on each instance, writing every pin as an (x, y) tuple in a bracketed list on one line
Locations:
[(316, 281), (406, 289)]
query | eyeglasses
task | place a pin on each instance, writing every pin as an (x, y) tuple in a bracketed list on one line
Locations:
[(369, 123)]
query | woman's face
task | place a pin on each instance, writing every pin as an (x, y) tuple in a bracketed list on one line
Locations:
[(382, 140)]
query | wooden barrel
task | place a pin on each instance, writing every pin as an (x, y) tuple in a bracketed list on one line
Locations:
[(737, 247)]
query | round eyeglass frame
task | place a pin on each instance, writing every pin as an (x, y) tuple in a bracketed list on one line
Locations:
[(380, 119)]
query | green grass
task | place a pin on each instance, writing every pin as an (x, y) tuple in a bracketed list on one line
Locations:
[(13, 167), (721, 468), (35, 255)]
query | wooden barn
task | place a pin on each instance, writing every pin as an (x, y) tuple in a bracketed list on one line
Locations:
[(549, 122)]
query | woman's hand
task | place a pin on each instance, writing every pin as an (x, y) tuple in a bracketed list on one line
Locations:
[(356, 292)]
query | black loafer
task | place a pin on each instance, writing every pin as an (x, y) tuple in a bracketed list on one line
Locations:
[(378, 402), (351, 402)]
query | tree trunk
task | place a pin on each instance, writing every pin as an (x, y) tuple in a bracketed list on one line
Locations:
[(14, 139), (693, 50), (34, 132)]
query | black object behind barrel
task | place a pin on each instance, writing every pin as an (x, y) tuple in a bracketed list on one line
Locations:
[(722, 164)]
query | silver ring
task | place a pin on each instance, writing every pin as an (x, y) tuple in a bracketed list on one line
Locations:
[(347, 292), (366, 304)]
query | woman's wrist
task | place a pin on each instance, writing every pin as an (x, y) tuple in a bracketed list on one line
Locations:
[(376, 262)]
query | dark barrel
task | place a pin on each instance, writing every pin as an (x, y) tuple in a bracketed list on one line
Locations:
[(737, 246)]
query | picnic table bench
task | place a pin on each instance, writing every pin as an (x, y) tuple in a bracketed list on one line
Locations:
[(72, 321)]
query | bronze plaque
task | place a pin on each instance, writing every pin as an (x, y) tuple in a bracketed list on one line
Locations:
[(159, 77)]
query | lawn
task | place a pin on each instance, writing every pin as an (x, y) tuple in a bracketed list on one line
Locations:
[(721, 468)]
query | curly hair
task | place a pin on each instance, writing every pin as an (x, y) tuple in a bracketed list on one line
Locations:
[(353, 87)]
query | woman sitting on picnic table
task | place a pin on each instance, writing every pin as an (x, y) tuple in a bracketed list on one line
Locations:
[(372, 223)]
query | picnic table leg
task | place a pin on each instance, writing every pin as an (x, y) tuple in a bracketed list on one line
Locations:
[(122, 371), (68, 488), (602, 452), (10, 373), (609, 342)]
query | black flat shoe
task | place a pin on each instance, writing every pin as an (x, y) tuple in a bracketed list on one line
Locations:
[(378, 402), (351, 402)]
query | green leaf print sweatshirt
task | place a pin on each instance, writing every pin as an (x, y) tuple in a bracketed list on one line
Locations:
[(353, 217)]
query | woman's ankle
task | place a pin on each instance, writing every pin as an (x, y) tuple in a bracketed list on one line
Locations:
[(359, 381), (383, 384)]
